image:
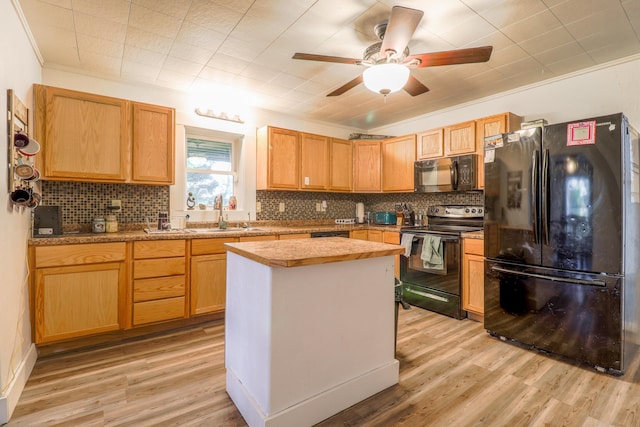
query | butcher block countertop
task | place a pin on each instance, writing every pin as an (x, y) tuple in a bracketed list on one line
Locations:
[(301, 252)]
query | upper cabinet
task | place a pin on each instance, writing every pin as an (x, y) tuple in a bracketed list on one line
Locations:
[(88, 137), (460, 139), (430, 144), (153, 144), (398, 156), (367, 166), (277, 159), (340, 165), (314, 162), (488, 126)]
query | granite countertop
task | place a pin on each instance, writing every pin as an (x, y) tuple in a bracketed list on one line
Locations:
[(297, 252), (473, 235), (207, 232)]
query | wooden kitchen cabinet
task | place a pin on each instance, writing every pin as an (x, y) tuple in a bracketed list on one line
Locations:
[(159, 281), (367, 166), (209, 274), (84, 137), (473, 277), (430, 144), (460, 139), (314, 162), (294, 236), (277, 159), (340, 165), (398, 157), (79, 290), (382, 237), (359, 234), (95, 138), (153, 148), (488, 126)]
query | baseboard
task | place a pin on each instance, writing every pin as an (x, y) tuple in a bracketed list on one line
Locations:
[(9, 401)]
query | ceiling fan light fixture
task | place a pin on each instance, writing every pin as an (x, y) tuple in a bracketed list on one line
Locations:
[(385, 78)]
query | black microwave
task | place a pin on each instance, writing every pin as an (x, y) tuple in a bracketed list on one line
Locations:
[(446, 174)]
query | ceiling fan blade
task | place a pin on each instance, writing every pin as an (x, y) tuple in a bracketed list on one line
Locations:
[(451, 57), (402, 24), (345, 87), (414, 87), (325, 58)]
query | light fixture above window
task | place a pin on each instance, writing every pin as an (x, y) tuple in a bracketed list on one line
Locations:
[(204, 112), (385, 78)]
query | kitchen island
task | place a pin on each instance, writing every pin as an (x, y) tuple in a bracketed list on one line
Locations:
[(309, 327)]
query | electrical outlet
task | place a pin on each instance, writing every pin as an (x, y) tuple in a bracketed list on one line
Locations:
[(281, 207), (115, 205), (258, 207), (324, 206)]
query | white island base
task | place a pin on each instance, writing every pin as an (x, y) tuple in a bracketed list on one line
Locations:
[(304, 343)]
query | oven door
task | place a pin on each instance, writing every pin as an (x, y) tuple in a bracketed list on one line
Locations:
[(443, 277)]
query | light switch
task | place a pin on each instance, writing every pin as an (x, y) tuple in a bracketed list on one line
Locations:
[(258, 207), (318, 207), (281, 207), (306, 180)]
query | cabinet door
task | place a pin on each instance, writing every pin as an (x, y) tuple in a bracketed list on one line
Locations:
[(367, 166), (398, 156), (208, 283), (430, 144), (473, 276), (277, 159), (314, 162), (340, 165), (86, 136), (74, 301), (294, 236), (358, 234), (488, 126), (374, 236), (153, 158), (460, 139)]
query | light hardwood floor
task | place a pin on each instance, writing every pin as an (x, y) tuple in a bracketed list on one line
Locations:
[(452, 373)]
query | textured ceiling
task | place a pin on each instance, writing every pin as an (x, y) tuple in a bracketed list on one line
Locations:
[(241, 49)]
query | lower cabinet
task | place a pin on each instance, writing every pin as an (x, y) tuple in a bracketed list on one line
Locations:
[(382, 237), (473, 276), (79, 290), (208, 275), (159, 281)]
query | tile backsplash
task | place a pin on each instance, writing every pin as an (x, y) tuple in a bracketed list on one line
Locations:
[(302, 205), (83, 201)]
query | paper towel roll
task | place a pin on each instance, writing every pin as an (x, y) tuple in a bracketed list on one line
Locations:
[(360, 212)]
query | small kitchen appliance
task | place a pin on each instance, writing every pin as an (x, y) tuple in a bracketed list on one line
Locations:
[(384, 218)]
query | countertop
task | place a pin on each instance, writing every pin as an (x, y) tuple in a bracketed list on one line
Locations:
[(297, 252), (201, 233), (473, 235)]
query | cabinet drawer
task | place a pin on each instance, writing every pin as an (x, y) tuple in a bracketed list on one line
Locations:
[(474, 246), (143, 268), (210, 246), (89, 253), (158, 248), (158, 310), (158, 288)]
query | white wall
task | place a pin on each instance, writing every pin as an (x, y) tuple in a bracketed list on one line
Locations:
[(19, 69), (598, 91)]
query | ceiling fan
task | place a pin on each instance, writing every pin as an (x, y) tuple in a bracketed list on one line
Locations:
[(388, 62)]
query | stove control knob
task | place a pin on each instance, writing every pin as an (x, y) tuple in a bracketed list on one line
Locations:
[(473, 211), (480, 210), (467, 210)]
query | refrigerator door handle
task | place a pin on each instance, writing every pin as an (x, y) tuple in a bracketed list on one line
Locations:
[(552, 278), (534, 196), (545, 196), (454, 174)]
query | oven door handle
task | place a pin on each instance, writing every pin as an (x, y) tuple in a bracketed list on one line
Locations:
[(447, 239), (594, 282)]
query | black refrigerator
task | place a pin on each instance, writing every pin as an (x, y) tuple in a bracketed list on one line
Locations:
[(561, 239)]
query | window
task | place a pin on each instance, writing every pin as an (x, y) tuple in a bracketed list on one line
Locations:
[(210, 169)]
